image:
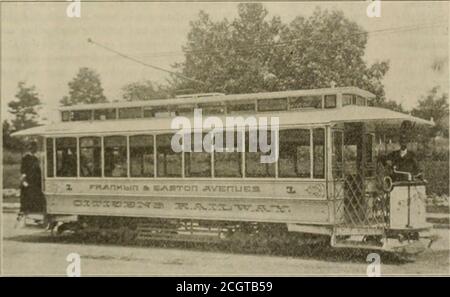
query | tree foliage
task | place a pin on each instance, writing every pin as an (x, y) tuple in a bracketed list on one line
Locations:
[(434, 106), (84, 88), (25, 108), (145, 90), (25, 111), (253, 53)]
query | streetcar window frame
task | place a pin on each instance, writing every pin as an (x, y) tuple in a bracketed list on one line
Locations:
[(126, 113), (49, 157), (179, 158), (309, 102), (105, 114), (97, 164), (238, 107), (273, 104), (134, 149), (253, 166), (81, 115), (191, 159), (240, 158), (61, 145), (123, 150)]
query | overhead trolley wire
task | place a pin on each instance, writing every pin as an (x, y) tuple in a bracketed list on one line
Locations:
[(211, 50), (143, 63)]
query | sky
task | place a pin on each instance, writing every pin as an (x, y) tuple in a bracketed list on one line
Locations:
[(45, 48)]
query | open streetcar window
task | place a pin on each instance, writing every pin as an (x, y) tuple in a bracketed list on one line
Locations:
[(185, 110), (115, 156), (330, 101), (228, 161), (65, 116), (197, 163), (305, 102), (81, 115), (141, 156), (66, 157), (253, 165), (361, 101), (295, 154), (212, 108), (369, 154), (350, 99), (272, 104), (90, 157), (130, 113), (105, 114), (168, 161), (319, 153), (49, 157), (337, 151), (241, 107)]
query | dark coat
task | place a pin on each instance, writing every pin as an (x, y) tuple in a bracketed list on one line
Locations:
[(407, 163), (31, 196)]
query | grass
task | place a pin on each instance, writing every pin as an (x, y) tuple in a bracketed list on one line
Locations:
[(11, 176), (11, 158)]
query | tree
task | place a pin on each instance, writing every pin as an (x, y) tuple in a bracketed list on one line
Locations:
[(25, 108), (434, 106), (392, 105), (252, 54), (145, 90), (9, 142), (84, 88)]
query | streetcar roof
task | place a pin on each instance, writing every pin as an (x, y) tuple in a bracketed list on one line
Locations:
[(217, 97), (350, 113)]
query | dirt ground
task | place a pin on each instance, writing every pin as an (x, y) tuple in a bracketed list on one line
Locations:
[(32, 251)]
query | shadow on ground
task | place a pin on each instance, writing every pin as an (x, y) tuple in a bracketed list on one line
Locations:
[(311, 252)]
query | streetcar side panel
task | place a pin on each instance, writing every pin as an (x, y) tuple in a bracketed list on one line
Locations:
[(244, 200)]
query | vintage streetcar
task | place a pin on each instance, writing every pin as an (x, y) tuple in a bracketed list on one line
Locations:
[(110, 169)]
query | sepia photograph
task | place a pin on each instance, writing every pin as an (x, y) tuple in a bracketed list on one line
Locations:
[(233, 139)]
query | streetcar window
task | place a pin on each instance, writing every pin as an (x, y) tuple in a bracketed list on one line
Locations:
[(361, 101), (295, 158), (227, 154), (130, 113), (81, 115), (305, 102), (49, 158), (240, 107), (162, 111), (65, 116), (253, 165), (185, 110), (105, 114), (368, 139), (347, 99), (168, 162), (272, 104), (141, 156), (90, 157), (319, 153), (66, 157), (197, 163), (330, 101), (115, 156), (212, 108), (148, 112), (369, 154), (337, 154)]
